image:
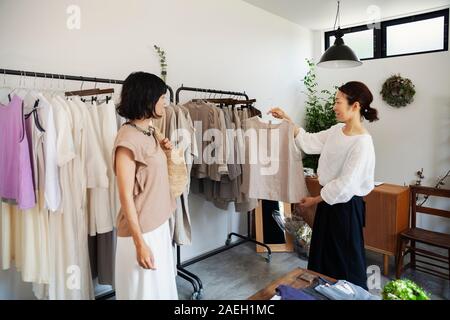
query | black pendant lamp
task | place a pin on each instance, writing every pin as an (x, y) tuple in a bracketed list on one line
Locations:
[(339, 55)]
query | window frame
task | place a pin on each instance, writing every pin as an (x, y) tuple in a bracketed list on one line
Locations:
[(329, 34), (379, 34)]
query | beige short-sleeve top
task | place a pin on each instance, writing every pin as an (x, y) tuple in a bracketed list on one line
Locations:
[(152, 198)]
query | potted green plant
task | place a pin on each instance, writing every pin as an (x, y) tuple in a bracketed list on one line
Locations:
[(319, 110)]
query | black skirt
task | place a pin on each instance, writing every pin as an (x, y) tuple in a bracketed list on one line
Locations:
[(337, 244)]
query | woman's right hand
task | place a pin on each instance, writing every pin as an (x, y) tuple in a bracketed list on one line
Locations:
[(279, 113), (145, 257)]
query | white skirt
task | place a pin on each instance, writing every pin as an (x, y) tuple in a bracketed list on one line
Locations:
[(133, 282)]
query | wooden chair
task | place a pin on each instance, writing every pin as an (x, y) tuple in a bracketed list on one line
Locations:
[(408, 238)]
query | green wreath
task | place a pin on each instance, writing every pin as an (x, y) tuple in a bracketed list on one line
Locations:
[(397, 91)]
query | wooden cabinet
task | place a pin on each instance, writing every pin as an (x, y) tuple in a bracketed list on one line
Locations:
[(387, 214)]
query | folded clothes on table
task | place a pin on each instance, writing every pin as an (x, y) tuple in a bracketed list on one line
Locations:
[(344, 290), (290, 293)]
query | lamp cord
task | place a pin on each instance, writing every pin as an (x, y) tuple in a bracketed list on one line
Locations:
[(338, 17)]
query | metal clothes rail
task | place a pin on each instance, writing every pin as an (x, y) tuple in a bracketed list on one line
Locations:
[(181, 266), (56, 76)]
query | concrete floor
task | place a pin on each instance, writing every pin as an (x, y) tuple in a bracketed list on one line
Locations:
[(241, 272), (437, 287)]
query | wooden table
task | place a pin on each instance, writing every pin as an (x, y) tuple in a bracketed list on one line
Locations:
[(291, 279), (387, 215)]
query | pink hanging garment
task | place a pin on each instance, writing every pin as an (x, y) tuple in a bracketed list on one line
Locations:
[(16, 177)]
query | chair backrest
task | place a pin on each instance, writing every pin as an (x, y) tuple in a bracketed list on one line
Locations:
[(428, 191)]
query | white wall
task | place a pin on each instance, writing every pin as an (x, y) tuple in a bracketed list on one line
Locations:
[(409, 138), (227, 45)]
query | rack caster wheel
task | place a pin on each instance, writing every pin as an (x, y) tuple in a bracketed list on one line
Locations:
[(268, 258), (200, 294), (228, 242), (195, 296)]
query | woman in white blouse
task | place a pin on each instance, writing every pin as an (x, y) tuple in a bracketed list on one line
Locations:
[(346, 174)]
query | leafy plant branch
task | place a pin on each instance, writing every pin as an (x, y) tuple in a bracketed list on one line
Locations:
[(162, 62)]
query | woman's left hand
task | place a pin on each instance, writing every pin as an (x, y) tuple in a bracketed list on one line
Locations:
[(307, 202), (166, 144)]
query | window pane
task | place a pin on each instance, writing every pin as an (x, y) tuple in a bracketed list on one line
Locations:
[(361, 42), (419, 36)]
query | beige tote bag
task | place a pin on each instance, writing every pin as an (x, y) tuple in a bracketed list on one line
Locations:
[(176, 165)]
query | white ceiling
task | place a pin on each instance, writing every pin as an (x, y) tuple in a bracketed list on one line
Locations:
[(320, 14)]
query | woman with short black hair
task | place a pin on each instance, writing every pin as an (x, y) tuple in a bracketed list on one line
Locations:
[(144, 260), (346, 174)]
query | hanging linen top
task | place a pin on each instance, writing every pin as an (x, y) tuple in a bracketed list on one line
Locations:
[(107, 114), (68, 230), (273, 168), (152, 197), (52, 187), (205, 116), (211, 140), (97, 182), (16, 177), (177, 125), (37, 151), (346, 165)]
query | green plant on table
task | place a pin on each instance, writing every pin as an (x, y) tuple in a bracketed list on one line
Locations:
[(319, 110), (404, 289)]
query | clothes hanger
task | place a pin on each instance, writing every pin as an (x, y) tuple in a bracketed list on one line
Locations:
[(53, 92), (35, 116), (23, 91), (264, 117), (7, 98), (94, 98), (31, 96), (89, 92), (34, 111), (45, 89), (4, 78), (109, 92), (201, 97), (64, 87), (81, 92), (60, 85), (195, 95), (16, 88), (5, 85), (228, 101), (64, 83), (110, 97), (50, 89), (106, 91)]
